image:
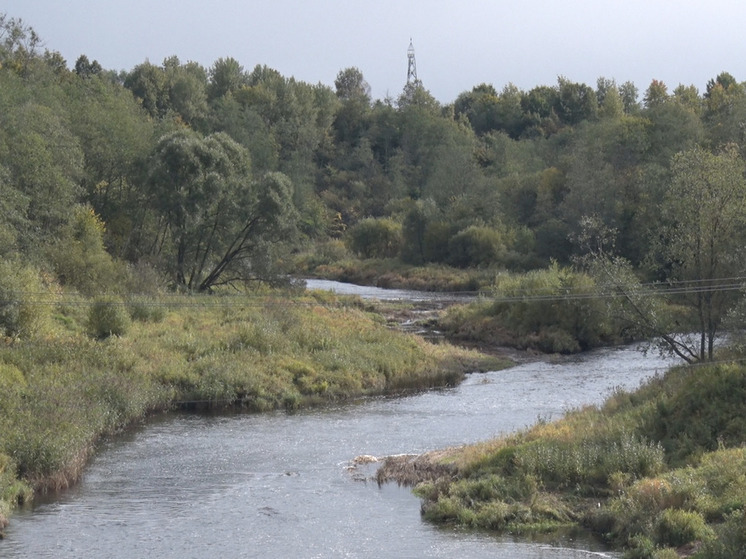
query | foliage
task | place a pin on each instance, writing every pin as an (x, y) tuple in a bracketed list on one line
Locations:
[(217, 219), (178, 160), (646, 491), (552, 310), (375, 238), (108, 317), (256, 352), (80, 258), (24, 299), (704, 211), (476, 246)]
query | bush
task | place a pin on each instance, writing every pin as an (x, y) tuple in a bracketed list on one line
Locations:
[(375, 238), (23, 312), (476, 246), (677, 527), (731, 540), (108, 317), (80, 258), (146, 309)]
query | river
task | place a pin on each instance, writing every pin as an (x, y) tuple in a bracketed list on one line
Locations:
[(278, 485)]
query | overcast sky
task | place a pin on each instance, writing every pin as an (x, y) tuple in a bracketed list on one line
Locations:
[(458, 44)]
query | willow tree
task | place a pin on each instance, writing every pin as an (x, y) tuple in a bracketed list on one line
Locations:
[(218, 224)]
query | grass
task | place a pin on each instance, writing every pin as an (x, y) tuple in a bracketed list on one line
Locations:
[(62, 390), (650, 471)]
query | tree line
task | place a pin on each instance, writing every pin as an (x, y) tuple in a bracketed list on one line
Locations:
[(211, 176)]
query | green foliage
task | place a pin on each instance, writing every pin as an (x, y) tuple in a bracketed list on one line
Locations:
[(108, 317), (476, 246), (678, 527), (219, 221), (590, 462), (553, 310), (730, 541), (80, 258), (24, 300), (637, 499), (715, 397), (57, 398), (704, 217), (375, 238)]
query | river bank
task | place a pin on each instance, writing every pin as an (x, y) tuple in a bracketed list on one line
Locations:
[(636, 471), (61, 393), (276, 483)]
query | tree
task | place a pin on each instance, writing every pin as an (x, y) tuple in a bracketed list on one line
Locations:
[(576, 102), (656, 94), (217, 223), (85, 68), (226, 76), (703, 235), (18, 44), (187, 89), (148, 84), (351, 115), (350, 84), (45, 163), (628, 91)]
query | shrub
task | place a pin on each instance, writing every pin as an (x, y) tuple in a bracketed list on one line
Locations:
[(476, 246), (108, 317), (80, 258), (435, 241), (677, 527), (23, 312), (375, 238), (552, 310), (731, 540), (146, 310)]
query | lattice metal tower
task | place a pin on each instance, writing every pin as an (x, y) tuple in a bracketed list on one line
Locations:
[(412, 67)]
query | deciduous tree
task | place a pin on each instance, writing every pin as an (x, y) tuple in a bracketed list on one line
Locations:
[(216, 219)]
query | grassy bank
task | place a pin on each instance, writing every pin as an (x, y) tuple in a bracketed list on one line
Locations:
[(391, 273), (68, 385), (545, 310), (658, 472)]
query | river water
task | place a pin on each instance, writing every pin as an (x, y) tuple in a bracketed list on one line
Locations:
[(278, 484)]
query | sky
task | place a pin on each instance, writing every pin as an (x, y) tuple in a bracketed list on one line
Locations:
[(458, 44)]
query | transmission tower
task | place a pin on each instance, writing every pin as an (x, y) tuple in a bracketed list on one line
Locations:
[(412, 67)]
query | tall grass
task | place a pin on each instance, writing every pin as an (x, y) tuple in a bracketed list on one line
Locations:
[(650, 470), (548, 310)]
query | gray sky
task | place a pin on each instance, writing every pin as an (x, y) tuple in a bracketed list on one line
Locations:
[(458, 44)]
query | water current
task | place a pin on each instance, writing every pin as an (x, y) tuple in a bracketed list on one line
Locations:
[(278, 484)]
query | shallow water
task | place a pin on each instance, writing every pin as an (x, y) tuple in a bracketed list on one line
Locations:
[(278, 485)]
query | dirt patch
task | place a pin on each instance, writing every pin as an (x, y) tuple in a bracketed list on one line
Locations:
[(410, 469)]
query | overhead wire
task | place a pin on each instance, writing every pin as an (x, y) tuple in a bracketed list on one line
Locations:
[(548, 294)]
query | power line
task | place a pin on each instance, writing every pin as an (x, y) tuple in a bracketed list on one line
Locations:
[(175, 300)]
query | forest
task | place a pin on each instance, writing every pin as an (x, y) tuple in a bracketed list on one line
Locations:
[(205, 177)]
